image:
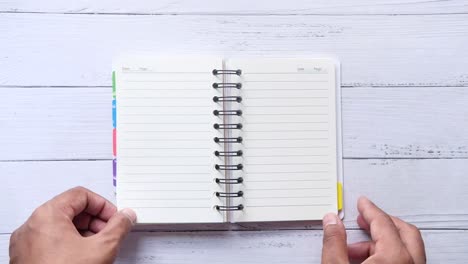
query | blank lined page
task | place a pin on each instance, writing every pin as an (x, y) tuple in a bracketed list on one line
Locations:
[(290, 139), (165, 139)]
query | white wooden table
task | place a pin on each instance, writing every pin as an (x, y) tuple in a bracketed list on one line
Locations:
[(405, 108)]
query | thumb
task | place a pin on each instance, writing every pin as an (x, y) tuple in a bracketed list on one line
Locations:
[(118, 226), (334, 241)]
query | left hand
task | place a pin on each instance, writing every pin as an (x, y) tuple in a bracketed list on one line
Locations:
[(77, 226)]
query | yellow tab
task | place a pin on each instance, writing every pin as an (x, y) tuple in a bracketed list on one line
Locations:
[(340, 196)]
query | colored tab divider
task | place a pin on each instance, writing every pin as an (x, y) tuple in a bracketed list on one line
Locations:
[(340, 196), (114, 114), (114, 172), (114, 132), (113, 84)]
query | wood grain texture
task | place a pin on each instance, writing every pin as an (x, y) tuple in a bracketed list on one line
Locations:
[(391, 7), (428, 193), (447, 246), (75, 123), (74, 50)]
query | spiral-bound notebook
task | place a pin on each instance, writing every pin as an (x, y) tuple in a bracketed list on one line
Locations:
[(211, 140)]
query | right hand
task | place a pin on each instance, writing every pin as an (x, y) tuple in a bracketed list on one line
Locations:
[(393, 240)]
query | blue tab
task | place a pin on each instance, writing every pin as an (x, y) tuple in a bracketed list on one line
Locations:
[(114, 114)]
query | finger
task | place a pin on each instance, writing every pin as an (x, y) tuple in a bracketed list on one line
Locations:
[(117, 227), (334, 240), (97, 225), (382, 229), (86, 233), (412, 239), (85, 221), (82, 220), (362, 223), (79, 199), (361, 250)]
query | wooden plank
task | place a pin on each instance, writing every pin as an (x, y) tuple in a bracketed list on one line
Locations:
[(400, 122), (374, 50), (445, 246), (75, 123), (56, 123), (391, 7), (428, 193)]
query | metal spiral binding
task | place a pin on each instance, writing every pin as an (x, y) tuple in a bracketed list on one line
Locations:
[(228, 153), (217, 72), (229, 167), (229, 181), (227, 126), (226, 113), (227, 85), (229, 208), (229, 194), (227, 99), (228, 140)]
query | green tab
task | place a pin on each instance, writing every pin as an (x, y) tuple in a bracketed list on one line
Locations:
[(113, 84)]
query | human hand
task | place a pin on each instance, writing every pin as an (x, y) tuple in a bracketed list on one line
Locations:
[(77, 226), (393, 240)]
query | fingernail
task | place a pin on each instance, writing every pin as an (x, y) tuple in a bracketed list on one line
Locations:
[(130, 214), (330, 219), (364, 199)]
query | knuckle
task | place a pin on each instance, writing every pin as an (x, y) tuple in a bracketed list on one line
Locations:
[(122, 221), (78, 189), (36, 214), (406, 256), (14, 237), (333, 233), (414, 230)]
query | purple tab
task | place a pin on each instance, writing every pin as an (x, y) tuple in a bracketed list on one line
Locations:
[(114, 172)]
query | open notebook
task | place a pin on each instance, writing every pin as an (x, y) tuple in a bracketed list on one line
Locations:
[(206, 140)]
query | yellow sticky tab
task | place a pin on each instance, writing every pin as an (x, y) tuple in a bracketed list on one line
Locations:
[(340, 195)]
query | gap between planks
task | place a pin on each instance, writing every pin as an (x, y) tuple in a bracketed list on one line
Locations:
[(224, 14), (344, 158), (342, 86)]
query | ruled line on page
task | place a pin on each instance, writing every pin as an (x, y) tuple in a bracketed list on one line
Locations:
[(285, 197), (278, 164), (292, 130), (168, 199), (159, 123), (289, 89), (167, 140), (288, 205), (162, 106), (282, 106), (163, 190), (286, 97), (163, 72), (199, 155), (171, 207), (133, 148), (280, 147), (164, 114), (288, 180), (165, 173), (161, 97), (274, 139), (291, 114), (167, 81), (156, 181), (285, 155), (289, 189), (285, 122)]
